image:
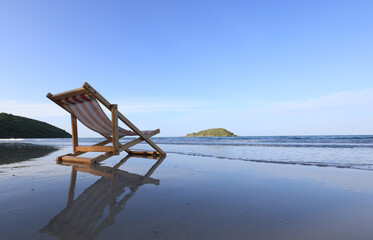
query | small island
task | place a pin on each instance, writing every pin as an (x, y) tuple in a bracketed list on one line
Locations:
[(212, 132), (20, 127)]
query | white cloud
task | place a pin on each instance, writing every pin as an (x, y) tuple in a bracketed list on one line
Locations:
[(208, 106), (342, 99), (157, 107), (32, 110), (37, 110)]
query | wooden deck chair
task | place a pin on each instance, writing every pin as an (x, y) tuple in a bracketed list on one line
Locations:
[(83, 104), (85, 216)]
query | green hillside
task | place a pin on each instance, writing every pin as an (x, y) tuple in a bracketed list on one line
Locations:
[(20, 127), (213, 132)]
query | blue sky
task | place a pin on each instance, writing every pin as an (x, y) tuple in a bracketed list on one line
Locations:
[(253, 67)]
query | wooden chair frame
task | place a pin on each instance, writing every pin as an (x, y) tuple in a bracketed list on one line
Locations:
[(116, 147)]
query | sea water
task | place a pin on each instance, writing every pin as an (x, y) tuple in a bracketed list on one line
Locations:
[(348, 151)]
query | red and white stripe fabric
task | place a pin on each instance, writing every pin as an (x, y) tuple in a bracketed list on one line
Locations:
[(87, 110)]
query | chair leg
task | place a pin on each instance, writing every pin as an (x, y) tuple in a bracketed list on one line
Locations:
[(114, 120), (155, 146), (141, 134), (74, 131)]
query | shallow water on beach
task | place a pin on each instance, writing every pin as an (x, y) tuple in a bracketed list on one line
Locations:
[(350, 151), (182, 197)]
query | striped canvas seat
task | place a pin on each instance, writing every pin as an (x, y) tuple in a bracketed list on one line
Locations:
[(84, 104), (89, 112)]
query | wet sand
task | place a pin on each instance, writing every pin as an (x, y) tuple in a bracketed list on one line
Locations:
[(183, 197), (19, 152)]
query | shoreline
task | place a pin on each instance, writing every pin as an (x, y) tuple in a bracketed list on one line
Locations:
[(335, 156)]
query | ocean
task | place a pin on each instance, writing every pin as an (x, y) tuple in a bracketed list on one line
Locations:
[(347, 151)]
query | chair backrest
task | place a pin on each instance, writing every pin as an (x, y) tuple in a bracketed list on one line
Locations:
[(89, 112)]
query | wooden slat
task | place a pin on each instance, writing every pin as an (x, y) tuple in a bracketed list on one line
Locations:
[(94, 148), (74, 133), (67, 94), (98, 96), (59, 158), (114, 120), (76, 159), (141, 134), (136, 141), (145, 152)]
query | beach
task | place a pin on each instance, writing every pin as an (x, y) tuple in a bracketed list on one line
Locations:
[(190, 194), (246, 120)]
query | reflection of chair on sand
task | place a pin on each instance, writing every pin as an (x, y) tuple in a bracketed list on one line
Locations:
[(82, 104), (82, 217)]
